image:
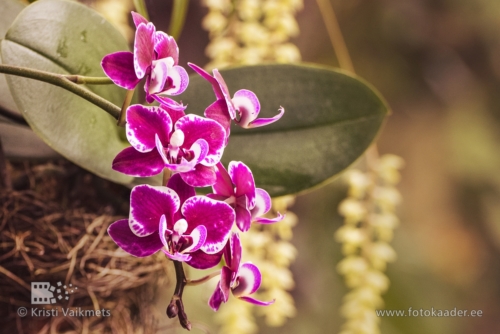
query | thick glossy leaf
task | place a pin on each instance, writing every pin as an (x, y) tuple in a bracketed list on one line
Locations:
[(9, 9), (17, 141), (330, 119), (69, 38)]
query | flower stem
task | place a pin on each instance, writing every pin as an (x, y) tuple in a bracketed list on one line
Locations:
[(203, 279), (68, 82), (176, 306), (335, 34), (125, 105)]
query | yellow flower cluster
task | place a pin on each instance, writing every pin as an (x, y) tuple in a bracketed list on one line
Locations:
[(369, 222), (251, 31)]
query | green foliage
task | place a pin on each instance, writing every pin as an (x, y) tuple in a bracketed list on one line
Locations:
[(69, 38), (330, 119)]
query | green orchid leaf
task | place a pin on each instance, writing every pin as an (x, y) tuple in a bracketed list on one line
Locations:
[(9, 9), (330, 120), (68, 38)]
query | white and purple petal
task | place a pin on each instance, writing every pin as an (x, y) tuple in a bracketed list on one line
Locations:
[(262, 203), (148, 204), (195, 127), (248, 106), (217, 217), (198, 235), (243, 181), (119, 67), (178, 80), (121, 234), (143, 48), (165, 46), (249, 279), (163, 230), (266, 121), (159, 73), (144, 124), (134, 163), (177, 256)]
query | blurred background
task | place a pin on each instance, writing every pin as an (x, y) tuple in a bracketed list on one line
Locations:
[(437, 62)]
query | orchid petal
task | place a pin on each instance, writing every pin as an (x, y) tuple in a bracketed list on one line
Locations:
[(256, 301), (119, 67), (199, 235), (148, 204), (144, 124), (249, 279), (174, 109), (248, 106), (121, 234), (262, 220), (143, 48), (202, 260), (200, 176), (160, 70), (134, 163), (226, 279), (224, 184), (163, 230), (217, 217), (161, 151), (195, 127), (178, 80), (218, 112), (165, 46), (205, 75), (262, 203), (177, 256), (199, 149), (243, 181), (266, 121), (236, 249), (225, 92), (183, 190), (138, 19), (243, 218), (216, 299)]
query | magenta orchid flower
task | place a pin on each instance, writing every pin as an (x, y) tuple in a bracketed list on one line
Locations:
[(188, 228), (237, 188), (241, 279), (243, 108), (163, 137), (155, 58)]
